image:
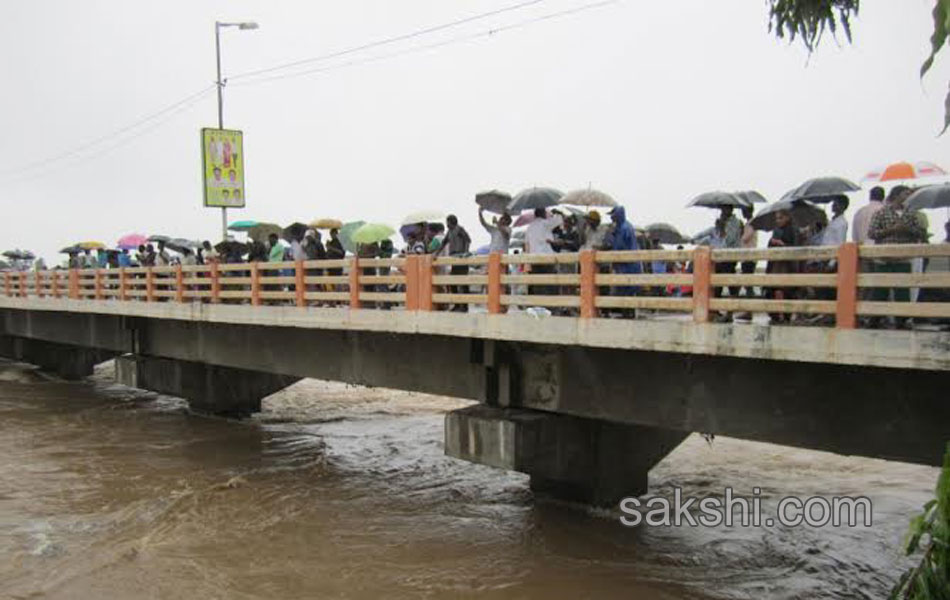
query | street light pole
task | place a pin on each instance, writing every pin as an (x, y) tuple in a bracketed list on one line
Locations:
[(217, 48), (220, 82)]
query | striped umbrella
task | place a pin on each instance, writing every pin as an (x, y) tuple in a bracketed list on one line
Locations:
[(905, 170)]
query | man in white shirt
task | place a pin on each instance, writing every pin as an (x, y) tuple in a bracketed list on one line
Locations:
[(537, 237), (537, 240), (862, 219), (837, 231)]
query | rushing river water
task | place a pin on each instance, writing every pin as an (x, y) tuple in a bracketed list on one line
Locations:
[(342, 492)]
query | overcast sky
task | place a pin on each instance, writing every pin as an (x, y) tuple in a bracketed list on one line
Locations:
[(652, 102)]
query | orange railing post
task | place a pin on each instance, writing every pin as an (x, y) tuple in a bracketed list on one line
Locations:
[(74, 284), (300, 286), (255, 285), (425, 282), (355, 282), (38, 283), (494, 283), (7, 286), (846, 310), (702, 283), (412, 281), (215, 283), (23, 284), (179, 284), (588, 261), (98, 284), (150, 285), (123, 285), (54, 284)]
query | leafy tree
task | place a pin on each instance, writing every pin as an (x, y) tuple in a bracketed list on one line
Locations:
[(808, 20), (930, 532)]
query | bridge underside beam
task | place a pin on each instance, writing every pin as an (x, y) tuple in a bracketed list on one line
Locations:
[(568, 458), (65, 360), (208, 388), (892, 414)]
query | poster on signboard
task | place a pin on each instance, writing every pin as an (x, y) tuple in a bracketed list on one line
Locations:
[(222, 160)]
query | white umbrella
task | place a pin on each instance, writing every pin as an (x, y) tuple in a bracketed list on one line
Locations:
[(424, 216)]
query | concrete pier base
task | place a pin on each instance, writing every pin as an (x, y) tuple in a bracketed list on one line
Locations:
[(569, 458), (65, 360), (208, 388)]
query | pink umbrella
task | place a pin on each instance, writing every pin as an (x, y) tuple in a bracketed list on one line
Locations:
[(131, 241)]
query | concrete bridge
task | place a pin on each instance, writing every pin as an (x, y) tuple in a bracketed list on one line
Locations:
[(584, 401)]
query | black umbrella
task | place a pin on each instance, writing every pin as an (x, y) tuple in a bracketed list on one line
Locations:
[(231, 247), (182, 245), (159, 238), (803, 214), (932, 196), (494, 201), (74, 249), (19, 255), (294, 231), (665, 233), (822, 189), (718, 200), (752, 197), (533, 198)]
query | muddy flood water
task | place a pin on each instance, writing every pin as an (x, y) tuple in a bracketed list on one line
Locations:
[(343, 492)]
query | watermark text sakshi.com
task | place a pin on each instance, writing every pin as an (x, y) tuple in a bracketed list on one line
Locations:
[(733, 510)]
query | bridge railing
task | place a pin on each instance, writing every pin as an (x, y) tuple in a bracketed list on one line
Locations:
[(844, 282)]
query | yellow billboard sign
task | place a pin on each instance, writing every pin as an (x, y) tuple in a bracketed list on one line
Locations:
[(222, 160)]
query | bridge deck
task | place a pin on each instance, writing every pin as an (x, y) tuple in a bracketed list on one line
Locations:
[(899, 349)]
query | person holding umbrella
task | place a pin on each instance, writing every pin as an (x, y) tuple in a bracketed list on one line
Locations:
[(499, 230)]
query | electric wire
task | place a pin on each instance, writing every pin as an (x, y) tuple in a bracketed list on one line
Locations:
[(387, 41)]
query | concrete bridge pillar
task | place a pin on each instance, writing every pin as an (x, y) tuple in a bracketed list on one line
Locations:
[(569, 458), (65, 360), (211, 389)]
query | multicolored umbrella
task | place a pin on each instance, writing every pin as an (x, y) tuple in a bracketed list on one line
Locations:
[(588, 197), (905, 170), (131, 241), (495, 201), (370, 233)]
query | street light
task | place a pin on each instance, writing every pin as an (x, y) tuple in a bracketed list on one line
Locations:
[(218, 25)]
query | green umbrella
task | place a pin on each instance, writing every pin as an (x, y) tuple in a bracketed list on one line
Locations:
[(346, 235), (372, 232), (243, 225)]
